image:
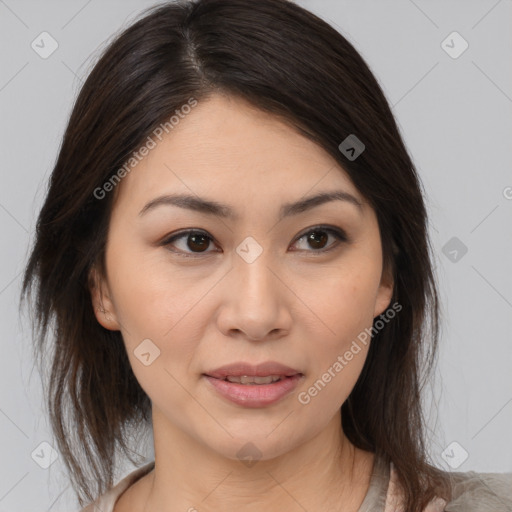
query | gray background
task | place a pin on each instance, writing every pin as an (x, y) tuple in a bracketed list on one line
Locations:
[(455, 116)]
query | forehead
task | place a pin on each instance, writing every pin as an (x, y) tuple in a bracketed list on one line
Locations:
[(226, 147)]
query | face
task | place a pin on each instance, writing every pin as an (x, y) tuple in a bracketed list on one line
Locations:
[(247, 278)]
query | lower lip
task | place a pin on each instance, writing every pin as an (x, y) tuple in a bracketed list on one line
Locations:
[(255, 395)]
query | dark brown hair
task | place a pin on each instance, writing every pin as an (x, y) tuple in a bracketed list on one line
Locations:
[(286, 61)]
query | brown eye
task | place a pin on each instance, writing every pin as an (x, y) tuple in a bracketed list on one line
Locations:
[(317, 239), (198, 242), (189, 243)]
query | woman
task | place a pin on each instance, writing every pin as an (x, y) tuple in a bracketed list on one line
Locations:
[(233, 251)]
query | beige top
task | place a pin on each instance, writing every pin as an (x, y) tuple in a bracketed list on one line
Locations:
[(472, 492)]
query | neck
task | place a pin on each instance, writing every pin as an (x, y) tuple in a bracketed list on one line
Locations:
[(325, 472)]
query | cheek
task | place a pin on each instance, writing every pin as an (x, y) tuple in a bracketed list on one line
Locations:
[(159, 326), (344, 305), (341, 302), (149, 298), (160, 314), (342, 338)]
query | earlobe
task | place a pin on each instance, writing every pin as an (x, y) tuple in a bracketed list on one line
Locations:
[(384, 295), (102, 303)]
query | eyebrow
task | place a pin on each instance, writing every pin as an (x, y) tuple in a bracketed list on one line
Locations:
[(217, 209)]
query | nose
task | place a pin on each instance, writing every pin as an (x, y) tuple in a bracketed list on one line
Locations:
[(255, 301)]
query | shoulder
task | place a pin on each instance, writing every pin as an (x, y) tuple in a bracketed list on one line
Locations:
[(470, 492), (482, 492), (106, 502)]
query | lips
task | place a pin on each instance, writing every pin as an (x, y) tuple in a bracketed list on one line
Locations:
[(254, 385), (241, 369)]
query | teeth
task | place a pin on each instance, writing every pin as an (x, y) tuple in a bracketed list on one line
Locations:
[(246, 379)]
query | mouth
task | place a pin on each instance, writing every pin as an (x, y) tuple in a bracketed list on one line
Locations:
[(254, 386), (268, 370), (253, 380)]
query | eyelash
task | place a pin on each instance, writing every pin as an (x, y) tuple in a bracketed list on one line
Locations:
[(339, 234)]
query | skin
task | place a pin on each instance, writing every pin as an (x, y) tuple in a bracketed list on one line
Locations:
[(293, 304)]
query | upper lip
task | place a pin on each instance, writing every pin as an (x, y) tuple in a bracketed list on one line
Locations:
[(260, 370)]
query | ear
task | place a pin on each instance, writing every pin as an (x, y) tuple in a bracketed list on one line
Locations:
[(102, 304), (384, 293)]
